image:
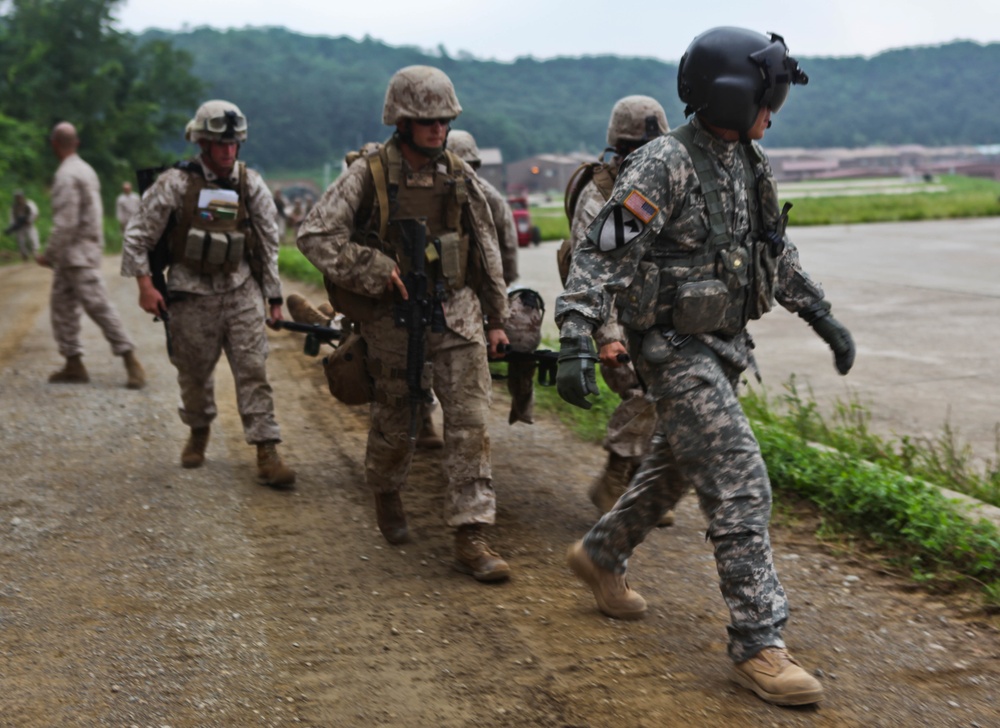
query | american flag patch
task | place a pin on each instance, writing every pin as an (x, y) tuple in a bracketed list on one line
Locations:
[(639, 206)]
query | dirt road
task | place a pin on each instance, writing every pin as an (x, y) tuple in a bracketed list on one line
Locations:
[(136, 593)]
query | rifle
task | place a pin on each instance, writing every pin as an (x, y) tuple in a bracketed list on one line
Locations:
[(19, 222), (315, 334), (420, 310)]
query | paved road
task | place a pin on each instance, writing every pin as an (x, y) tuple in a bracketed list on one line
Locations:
[(923, 302)]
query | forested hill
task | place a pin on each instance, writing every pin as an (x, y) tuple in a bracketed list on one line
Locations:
[(311, 98)]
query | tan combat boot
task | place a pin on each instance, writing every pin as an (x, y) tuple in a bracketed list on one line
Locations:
[(271, 470), (193, 455), (326, 309), (609, 486), (777, 678), (474, 556), (614, 596), (74, 372), (391, 517), (136, 374), (304, 312), (429, 439)]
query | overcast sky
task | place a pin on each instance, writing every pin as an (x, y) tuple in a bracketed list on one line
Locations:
[(543, 29)]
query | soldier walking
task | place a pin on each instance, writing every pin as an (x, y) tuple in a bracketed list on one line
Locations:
[(74, 251), (126, 204), (21, 224), (635, 120), (355, 236), (223, 248), (692, 245)]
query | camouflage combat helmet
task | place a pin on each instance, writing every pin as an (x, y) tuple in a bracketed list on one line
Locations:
[(636, 119), (463, 145), (419, 92), (728, 74), (216, 121)]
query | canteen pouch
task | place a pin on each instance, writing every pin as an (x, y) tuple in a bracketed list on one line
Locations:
[(700, 307), (347, 374)]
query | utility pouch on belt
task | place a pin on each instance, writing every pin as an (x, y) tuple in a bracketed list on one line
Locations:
[(700, 307), (637, 307), (347, 371), (454, 254), (732, 268)]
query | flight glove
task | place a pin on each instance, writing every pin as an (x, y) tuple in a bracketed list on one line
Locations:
[(577, 375), (833, 333)]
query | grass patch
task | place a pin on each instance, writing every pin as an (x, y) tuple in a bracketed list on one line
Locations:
[(867, 487), (293, 264), (551, 223)]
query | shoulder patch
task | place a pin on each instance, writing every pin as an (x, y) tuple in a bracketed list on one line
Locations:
[(638, 205), (619, 228)]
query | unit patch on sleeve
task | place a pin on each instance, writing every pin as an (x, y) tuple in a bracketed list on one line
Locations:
[(620, 227), (638, 205)]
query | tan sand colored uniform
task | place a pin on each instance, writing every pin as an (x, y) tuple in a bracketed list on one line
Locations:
[(218, 312), (74, 250)]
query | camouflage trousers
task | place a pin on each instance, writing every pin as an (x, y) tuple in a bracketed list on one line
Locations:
[(703, 440), (78, 290), (204, 326), (631, 424), (27, 241), (460, 378)]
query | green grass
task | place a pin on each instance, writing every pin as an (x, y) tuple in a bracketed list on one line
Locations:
[(551, 223), (293, 264), (868, 489)]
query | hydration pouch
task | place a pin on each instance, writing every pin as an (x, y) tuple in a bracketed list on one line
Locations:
[(700, 307), (637, 305)]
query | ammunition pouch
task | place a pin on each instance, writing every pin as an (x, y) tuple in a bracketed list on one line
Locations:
[(700, 307), (212, 252)]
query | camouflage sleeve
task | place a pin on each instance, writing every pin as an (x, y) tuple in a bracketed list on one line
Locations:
[(503, 221), (493, 291), (264, 216), (588, 205), (324, 237), (794, 289), (609, 254), (66, 201), (150, 220)]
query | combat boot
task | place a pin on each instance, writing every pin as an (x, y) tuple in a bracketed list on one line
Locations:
[(614, 596), (304, 312), (777, 678), (326, 309), (391, 517), (136, 374), (74, 372), (608, 487), (429, 439), (474, 556), (271, 470), (193, 455)]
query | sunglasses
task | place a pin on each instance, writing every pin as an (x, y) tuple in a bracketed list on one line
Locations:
[(432, 122)]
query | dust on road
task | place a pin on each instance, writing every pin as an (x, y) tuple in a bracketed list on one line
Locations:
[(136, 593)]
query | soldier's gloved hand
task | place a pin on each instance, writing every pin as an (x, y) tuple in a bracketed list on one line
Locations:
[(834, 333), (577, 375)]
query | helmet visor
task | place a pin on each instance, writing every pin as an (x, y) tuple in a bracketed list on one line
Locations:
[(230, 122)]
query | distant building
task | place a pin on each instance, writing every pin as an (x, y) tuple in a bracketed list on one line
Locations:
[(492, 169), (909, 160), (544, 172)]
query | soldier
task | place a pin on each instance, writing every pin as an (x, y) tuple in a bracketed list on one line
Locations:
[(692, 245), (125, 206), (74, 250), (23, 214), (463, 144), (354, 236), (635, 120), (221, 230)]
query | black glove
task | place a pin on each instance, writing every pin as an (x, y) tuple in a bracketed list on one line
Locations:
[(833, 333), (577, 375)]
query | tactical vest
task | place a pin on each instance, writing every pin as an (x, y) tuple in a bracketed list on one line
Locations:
[(727, 283), (439, 195), (216, 237)]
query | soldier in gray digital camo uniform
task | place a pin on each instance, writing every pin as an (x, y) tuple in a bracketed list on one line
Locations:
[(222, 231), (354, 236), (691, 245), (635, 120)]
